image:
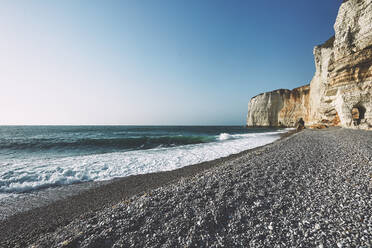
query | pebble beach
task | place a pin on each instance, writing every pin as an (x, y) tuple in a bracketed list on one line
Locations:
[(311, 189)]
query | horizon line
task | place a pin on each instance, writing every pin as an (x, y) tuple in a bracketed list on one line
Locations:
[(181, 125)]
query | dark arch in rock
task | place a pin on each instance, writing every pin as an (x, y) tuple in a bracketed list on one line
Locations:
[(358, 113)]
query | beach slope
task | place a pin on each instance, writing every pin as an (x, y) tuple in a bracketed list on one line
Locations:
[(312, 189)]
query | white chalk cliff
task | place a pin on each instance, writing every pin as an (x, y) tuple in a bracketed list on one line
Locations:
[(340, 93)]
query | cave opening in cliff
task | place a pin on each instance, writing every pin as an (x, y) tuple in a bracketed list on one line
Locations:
[(358, 113)]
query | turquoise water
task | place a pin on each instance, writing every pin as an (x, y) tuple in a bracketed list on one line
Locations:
[(34, 157)]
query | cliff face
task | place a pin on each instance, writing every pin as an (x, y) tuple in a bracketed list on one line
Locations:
[(340, 93), (279, 107)]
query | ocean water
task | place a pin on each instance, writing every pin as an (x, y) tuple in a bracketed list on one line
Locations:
[(37, 157)]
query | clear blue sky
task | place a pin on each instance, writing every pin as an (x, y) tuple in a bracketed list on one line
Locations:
[(194, 62)]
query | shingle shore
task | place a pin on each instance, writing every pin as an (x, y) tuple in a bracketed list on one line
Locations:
[(24, 219), (311, 190)]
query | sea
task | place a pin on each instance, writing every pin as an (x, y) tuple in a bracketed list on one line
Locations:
[(39, 157)]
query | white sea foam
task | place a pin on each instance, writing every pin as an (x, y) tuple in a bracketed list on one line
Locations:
[(19, 175), (224, 136)]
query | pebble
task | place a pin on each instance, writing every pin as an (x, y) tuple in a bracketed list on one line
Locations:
[(312, 187)]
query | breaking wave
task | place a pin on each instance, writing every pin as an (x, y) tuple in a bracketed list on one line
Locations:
[(26, 174)]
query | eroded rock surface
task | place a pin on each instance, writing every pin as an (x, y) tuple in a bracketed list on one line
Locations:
[(279, 107), (342, 81)]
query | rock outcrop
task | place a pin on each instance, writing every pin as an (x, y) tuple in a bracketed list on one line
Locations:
[(340, 93), (279, 107)]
